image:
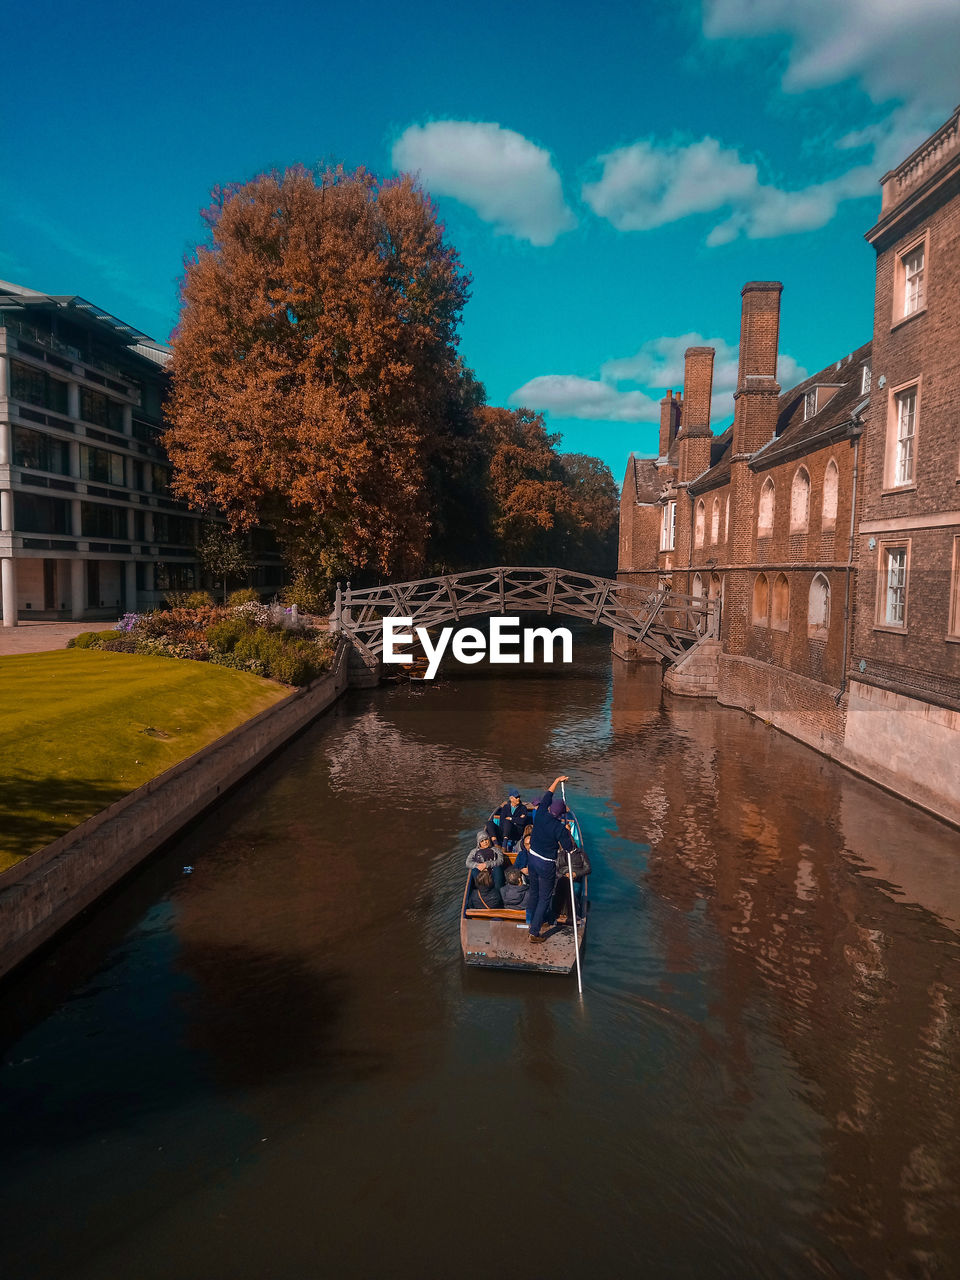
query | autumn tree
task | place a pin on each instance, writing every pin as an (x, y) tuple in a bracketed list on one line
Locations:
[(593, 527), (528, 500), (314, 363)]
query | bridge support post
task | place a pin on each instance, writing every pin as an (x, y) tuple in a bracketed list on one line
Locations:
[(360, 675), (697, 674)]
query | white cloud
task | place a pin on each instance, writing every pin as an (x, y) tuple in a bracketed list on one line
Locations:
[(630, 389), (649, 184), (897, 52), (505, 178), (571, 397)]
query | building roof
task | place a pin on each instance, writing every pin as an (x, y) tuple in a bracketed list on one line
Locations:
[(796, 434), (19, 297), (642, 481)]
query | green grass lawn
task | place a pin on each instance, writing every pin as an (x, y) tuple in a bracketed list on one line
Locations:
[(80, 728)]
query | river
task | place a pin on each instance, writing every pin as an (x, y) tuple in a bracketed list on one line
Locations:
[(261, 1057)]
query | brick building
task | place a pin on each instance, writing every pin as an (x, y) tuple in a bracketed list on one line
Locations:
[(903, 718), (826, 517)]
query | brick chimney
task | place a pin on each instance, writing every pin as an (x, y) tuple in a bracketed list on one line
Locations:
[(697, 391), (669, 422), (755, 399)]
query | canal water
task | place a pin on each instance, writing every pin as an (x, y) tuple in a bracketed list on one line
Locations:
[(261, 1059)]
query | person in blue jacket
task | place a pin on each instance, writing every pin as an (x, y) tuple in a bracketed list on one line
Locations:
[(549, 834)]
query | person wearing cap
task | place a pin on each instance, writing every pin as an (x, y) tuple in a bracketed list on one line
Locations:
[(548, 836), (507, 823)]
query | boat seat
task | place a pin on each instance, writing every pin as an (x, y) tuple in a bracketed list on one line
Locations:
[(496, 913)]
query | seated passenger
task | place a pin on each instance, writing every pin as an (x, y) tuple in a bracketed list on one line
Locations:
[(507, 823), (486, 856), (581, 869), (484, 895), (514, 891)]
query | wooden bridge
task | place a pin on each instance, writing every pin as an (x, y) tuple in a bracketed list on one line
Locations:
[(668, 623)]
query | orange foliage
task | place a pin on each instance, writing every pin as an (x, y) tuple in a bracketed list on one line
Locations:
[(313, 360)]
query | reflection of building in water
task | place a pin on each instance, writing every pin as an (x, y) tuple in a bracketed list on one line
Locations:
[(754, 844)]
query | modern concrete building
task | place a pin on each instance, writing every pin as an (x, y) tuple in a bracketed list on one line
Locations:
[(88, 528)]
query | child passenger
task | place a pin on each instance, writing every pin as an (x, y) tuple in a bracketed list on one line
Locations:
[(514, 891), (484, 895)]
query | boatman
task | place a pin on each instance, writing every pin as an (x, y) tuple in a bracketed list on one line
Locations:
[(549, 834), (507, 823)]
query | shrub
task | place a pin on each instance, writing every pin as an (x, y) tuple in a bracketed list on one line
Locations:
[(189, 599), (299, 662), (87, 640), (222, 636), (305, 595), (246, 595), (260, 645)]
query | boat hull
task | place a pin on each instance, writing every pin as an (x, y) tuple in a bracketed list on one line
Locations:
[(505, 944)]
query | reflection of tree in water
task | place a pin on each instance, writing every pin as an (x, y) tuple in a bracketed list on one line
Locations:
[(863, 992)]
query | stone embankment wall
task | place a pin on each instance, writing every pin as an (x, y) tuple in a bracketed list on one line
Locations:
[(46, 891), (909, 746)]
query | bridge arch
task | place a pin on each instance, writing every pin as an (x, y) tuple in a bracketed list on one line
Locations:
[(669, 623)]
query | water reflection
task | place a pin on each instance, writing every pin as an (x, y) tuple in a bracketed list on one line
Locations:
[(277, 1065)]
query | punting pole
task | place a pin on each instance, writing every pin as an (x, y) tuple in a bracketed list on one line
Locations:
[(573, 905)]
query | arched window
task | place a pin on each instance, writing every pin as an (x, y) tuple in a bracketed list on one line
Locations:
[(715, 521), (818, 608), (716, 586), (726, 520), (761, 600), (800, 501), (698, 527), (831, 490), (766, 509), (697, 590), (781, 603)]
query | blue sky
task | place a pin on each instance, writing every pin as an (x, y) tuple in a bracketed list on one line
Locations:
[(610, 174)]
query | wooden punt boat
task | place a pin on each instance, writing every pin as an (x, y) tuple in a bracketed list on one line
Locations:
[(498, 938)]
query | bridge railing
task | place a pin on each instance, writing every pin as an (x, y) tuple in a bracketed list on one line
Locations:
[(667, 621)]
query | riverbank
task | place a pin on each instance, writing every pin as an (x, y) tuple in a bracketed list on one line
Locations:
[(44, 892), (79, 729)]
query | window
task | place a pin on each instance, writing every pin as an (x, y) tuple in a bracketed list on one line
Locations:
[(761, 600), (174, 577), (34, 386), (99, 409), (716, 587), (726, 520), (40, 452), (892, 595), (809, 403), (831, 493), (954, 624), (159, 478), (697, 590), (906, 419), (698, 527), (101, 465), (781, 603), (98, 521), (800, 501), (913, 290), (766, 509), (818, 608), (668, 527), (40, 515), (866, 380), (715, 521)]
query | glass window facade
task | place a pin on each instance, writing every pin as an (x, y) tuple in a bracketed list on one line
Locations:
[(33, 514), (34, 386), (40, 452)]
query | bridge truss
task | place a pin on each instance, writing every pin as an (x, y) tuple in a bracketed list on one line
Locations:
[(667, 622)]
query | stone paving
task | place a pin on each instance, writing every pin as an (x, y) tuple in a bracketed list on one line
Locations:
[(41, 637)]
